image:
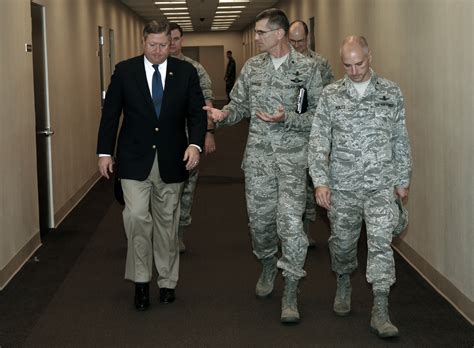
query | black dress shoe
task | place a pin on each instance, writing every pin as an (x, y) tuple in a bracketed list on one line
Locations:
[(142, 297), (166, 295)]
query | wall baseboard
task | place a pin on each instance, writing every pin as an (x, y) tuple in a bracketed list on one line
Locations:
[(70, 204), (18, 261), (15, 264), (438, 281)]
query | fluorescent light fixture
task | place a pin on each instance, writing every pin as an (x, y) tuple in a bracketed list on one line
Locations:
[(173, 8), (176, 14), (229, 7), (224, 12), (170, 2), (226, 16), (231, 1), (176, 18), (223, 20)]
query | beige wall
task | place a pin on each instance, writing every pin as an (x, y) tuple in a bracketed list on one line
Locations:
[(72, 49), (230, 41), (72, 31), (426, 46), (18, 188), (207, 57)]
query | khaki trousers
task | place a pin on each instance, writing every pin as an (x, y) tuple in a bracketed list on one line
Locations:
[(151, 218)]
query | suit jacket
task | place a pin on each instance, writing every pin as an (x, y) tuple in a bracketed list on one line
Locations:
[(142, 134)]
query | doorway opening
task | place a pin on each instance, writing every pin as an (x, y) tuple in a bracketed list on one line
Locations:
[(43, 121)]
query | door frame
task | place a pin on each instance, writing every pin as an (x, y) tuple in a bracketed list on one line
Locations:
[(47, 222)]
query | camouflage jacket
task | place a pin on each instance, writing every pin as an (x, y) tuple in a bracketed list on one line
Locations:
[(360, 143), (262, 88), (204, 79), (324, 67)]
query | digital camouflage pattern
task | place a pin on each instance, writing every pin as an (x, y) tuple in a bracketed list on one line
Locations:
[(190, 184), (324, 67), (359, 148), (360, 144), (275, 205), (327, 77), (378, 209), (187, 198), (275, 159)]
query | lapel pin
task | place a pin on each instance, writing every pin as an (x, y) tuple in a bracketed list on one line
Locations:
[(170, 73)]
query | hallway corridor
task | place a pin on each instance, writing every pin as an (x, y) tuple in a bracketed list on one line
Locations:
[(72, 292)]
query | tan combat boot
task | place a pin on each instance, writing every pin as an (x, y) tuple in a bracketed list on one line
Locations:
[(289, 305), (264, 285), (380, 322), (342, 301)]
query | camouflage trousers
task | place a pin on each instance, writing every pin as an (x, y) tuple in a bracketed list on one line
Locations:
[(275, 205), (187, 198), (310, 211), (380, 213)]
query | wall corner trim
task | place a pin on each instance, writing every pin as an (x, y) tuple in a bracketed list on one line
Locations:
[(18, 261), (438, 281)]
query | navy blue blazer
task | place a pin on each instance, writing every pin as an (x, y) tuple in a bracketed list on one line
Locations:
[(142, 134)]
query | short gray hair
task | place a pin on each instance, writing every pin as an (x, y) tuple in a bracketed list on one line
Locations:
[(276, 18)]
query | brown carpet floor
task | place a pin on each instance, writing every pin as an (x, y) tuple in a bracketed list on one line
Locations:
[(72, 293)]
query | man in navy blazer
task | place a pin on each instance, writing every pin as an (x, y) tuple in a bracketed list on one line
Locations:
[(159, 96)]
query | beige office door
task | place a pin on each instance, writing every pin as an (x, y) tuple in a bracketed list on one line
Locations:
[(42, 116)]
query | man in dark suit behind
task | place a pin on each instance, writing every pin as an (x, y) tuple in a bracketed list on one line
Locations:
[(157, 95), (229, 74)]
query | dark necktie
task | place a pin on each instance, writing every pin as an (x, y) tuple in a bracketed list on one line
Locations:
[(157, 90)]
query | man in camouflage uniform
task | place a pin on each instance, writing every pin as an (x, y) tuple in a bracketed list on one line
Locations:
[(209, 143), (274, 162), (360, 162), (298, 36)]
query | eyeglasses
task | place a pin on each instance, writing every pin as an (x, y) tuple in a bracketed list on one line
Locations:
[(263, 32)]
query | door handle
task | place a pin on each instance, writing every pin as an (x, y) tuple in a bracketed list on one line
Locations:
[(47, 132)]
